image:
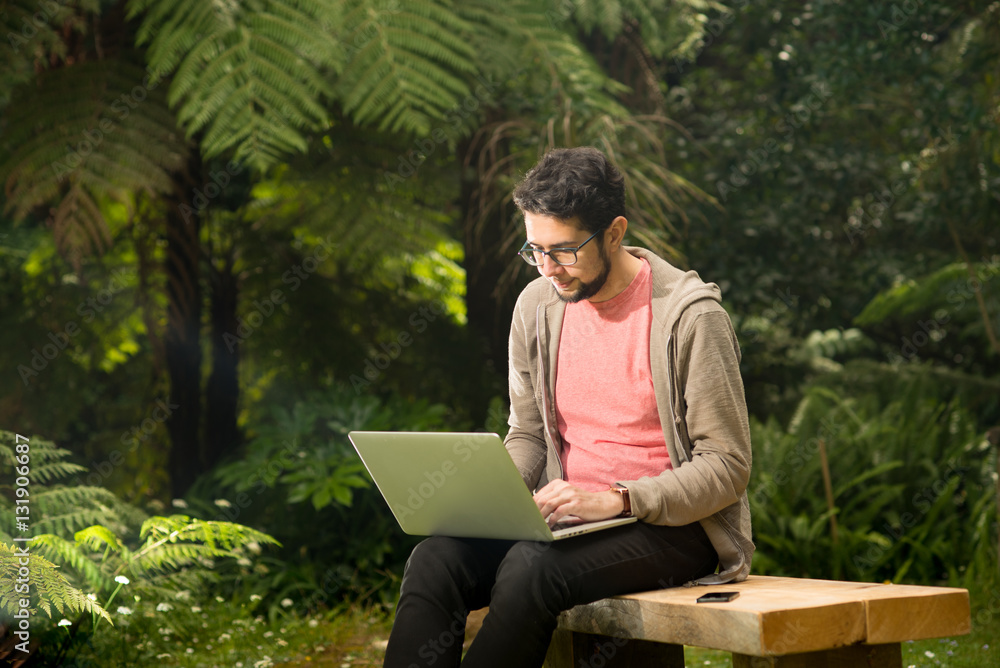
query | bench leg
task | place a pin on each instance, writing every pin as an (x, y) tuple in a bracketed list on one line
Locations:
[(587, 650), (854, 656)]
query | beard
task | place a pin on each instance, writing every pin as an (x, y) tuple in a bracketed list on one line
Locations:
[(591, 288)]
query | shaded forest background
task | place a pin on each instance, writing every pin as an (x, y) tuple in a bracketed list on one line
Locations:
[(232, 232)]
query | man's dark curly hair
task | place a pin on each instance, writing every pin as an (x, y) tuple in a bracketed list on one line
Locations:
[(570, 182)]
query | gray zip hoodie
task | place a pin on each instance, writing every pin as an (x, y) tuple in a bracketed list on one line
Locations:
[(694, 356)]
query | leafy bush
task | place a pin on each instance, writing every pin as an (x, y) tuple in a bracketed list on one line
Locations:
[(911, 480)]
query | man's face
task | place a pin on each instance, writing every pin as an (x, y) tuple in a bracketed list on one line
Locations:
[(574, 282)]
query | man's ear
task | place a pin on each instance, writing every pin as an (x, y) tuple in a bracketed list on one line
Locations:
[(616, 232)]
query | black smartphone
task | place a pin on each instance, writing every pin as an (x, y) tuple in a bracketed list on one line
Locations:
[(718, 597)]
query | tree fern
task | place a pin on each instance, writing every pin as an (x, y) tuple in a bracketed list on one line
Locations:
[(248, 77), (81, 137)]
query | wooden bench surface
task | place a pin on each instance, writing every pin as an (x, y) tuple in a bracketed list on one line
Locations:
[(777, 616)]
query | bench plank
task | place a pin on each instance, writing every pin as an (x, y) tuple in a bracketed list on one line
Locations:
[(779, 616)]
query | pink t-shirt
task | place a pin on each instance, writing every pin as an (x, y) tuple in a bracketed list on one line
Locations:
[(605, 405)]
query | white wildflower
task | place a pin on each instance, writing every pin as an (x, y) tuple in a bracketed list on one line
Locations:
[(287, 603), (243, 561), (121, 579), (313, 623), (254, 597), (222, 503), (224, 637), (92, 597), (122, 610), (268, 634), (282, 642), (265, 662), (195, 608), (189, 650), (254, 547), (179, 503), (183, 595), (164, 607), (65, 622)]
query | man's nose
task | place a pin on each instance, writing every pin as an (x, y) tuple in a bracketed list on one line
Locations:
[(549, 267)]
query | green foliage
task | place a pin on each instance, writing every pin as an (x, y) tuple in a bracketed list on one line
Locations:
[(34, 33), (299, 472), (912, 481), (406, 63), (45, 586), (100, 544), (305, 451), (106, 145), (231, 64)]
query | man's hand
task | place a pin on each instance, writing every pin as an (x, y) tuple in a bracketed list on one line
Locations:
[(559, 499)]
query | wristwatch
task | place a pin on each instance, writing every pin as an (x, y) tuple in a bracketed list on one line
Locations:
[(626, 500)]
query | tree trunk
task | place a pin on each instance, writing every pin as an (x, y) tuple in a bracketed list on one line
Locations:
[(222, 393), (182, 338), (489, 307)]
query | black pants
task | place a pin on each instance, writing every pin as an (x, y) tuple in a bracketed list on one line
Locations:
[(526, 585)]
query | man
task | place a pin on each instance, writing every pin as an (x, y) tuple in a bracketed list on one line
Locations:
[(626, 399)]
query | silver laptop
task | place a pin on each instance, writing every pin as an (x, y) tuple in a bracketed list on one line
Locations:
[(458, 484)]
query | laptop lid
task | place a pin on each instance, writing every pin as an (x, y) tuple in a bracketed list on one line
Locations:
[(456, 484)]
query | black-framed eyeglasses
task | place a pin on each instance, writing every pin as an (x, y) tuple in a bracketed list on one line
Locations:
[(563, 256)]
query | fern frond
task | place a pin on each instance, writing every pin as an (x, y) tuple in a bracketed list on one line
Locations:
[(84, 136), (71, 522), (406, 63), (98, 537), (48, 587), (75, 556), (249, 80), (53, 501), (226, 535)]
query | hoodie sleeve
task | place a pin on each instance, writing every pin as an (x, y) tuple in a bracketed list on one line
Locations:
[(525, 441), (714, 417)]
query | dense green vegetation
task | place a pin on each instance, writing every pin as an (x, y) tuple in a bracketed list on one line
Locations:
[(231, 233)]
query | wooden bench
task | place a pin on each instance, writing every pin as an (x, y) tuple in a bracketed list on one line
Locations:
[(780, 622)]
